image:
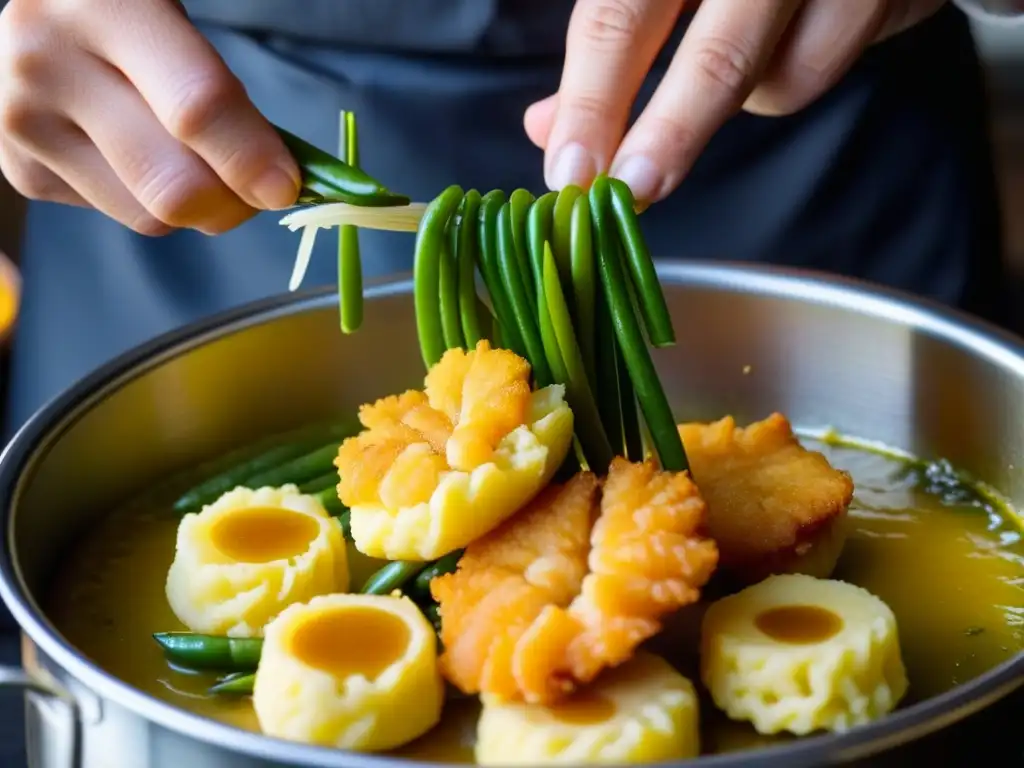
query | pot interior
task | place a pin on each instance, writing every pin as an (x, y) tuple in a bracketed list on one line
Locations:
[(750, 342)]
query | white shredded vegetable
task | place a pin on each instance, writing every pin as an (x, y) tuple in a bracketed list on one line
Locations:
[(403, 218), (400, 218)]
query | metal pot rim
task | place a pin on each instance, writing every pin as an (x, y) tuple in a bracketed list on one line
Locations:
[(808, 286)]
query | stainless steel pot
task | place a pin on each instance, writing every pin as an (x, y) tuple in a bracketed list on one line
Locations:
[(751, 340)]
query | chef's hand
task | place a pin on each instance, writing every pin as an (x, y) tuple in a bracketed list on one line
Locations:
[(125, 107), (769, 57)]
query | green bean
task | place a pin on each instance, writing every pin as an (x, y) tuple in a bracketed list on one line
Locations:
[(539, 226), (632, 439), (446, 564), (392, 576), (426, 273), (653, 307), (297, 444), (350, 268), (561, 237), (559, 373), (490, 205), (583, 282), (467, 257), (550, 341), (239, 684), (649, 393), (196, 651), (432, 613), (331, 503), (326, 179), (519, 203), (633, 446), (592, 437), (320, 483), (313, 464), (451, 323), (524, 311), (607, 374), (345, 523)]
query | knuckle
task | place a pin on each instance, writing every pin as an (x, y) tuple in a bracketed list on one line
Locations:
[(170, 193), (28, 48), (17, 117), (199, 102), (586, 106), (678, 138), (725, 63), (609, 23)]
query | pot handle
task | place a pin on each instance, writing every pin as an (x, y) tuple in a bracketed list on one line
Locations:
[(15, 677)]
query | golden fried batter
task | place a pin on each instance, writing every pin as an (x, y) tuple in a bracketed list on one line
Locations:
[(570, 586), (470, 401), (773, 505)]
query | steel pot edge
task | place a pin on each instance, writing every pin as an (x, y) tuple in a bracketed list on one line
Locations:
[(47, 425)]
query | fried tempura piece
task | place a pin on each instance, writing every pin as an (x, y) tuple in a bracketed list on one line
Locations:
[(572, 585), (433, 470), (773, 506)]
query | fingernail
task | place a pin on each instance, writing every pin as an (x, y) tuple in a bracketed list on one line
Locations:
[(277, 188), (572, 165), (642, 176)]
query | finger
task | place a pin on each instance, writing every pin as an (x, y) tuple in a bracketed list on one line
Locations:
[(196, 98), (610, 47), (33, 180), (539, 118), (54, 160), (170, 181), (826, 38), (726, 46)]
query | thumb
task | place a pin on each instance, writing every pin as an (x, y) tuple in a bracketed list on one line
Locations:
[(539, 118)]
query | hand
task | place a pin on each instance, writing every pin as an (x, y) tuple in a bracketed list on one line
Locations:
[(125, 107), (770, 57)]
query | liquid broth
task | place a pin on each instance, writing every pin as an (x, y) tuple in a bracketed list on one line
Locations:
[(952, 574)]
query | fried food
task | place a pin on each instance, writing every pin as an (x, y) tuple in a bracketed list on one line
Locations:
[(773, 505), (574, 583), (436, 469)]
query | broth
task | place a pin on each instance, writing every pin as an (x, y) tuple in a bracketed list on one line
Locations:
[(951, 571)]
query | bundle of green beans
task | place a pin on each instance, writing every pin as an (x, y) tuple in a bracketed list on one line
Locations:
[(572, 289)]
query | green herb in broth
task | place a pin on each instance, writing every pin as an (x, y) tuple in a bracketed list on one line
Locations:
[(938, 477)]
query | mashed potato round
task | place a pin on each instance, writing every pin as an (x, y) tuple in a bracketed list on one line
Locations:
[(349, 671), (800, 654), (641, 712), (436, 469), (243, 559)]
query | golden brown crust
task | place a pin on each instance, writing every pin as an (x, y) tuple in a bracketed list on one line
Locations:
[(771, 502), (551, 598)]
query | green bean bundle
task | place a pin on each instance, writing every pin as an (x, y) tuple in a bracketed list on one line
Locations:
[(560, 272)]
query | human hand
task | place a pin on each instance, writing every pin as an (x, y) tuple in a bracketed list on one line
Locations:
[(125, 107), (769, 57)]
